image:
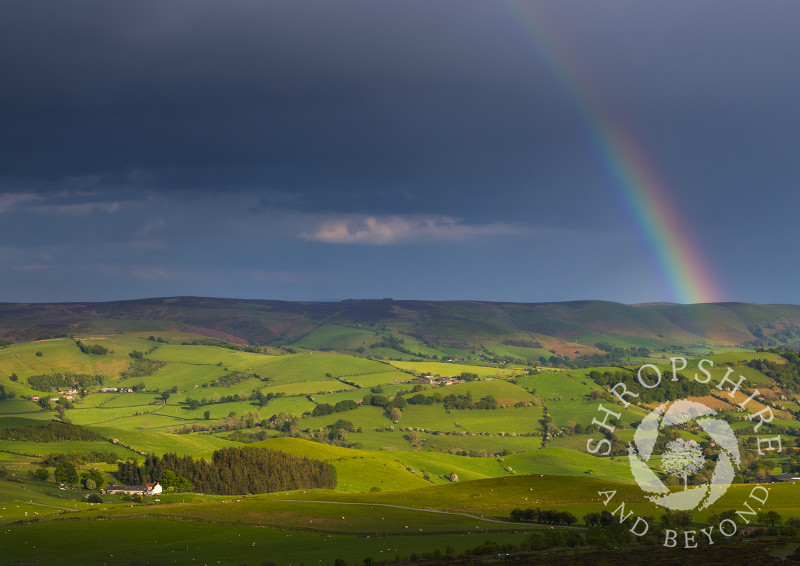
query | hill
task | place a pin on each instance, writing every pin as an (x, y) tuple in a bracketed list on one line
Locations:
[(442, 328)]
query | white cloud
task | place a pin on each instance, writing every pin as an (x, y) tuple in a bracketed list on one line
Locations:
[(389, 230)]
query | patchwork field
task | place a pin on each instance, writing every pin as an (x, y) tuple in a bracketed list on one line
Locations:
[(421, 458)]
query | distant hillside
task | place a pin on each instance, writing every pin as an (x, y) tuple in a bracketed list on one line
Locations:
[(513, 328)]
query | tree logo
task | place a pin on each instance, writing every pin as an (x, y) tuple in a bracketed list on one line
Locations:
[(683, 458)]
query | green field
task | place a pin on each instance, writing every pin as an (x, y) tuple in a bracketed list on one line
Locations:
[(500, 456)]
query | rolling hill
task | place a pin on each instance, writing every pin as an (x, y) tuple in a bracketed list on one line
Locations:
[(429, 327)]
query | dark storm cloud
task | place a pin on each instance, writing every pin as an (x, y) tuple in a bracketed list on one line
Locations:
[(182, 144), (348, 106)]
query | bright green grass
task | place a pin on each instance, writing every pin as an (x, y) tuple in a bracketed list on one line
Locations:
[(216, 410), (356, 470), (373, 440), (309, 387), (565, 398), (152, 421), (157, 442), (208, 355), (58, 355), (450, 370), (290, 405), (314, 367), (44, 448), (435, 417), (560, 461), (439, 466), (111, 400), (333, 336), (520, 352), (512, 419), (358, 394), (18, 406), (16, 498), (364, 417), (184, 376), (381, 378), (333, 398), (99, 416), (505, 392), (547, 461), (387, 354), (551, 385), (491, 444)]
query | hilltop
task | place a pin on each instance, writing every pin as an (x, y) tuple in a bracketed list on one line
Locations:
[(517, 330)]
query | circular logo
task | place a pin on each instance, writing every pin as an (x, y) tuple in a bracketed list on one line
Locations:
[(683, 457)]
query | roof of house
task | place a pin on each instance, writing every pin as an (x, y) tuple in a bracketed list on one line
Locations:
[(785, 477)]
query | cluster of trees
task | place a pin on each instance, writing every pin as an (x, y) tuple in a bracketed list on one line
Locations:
[(257, 395), (323, 409), (53, 431), (546, 516), (787, 375), (234, 377), (95, 349), (668, 390), (619, 354), (5, 394), (141, 366), (233, 471), (51, 381), (394, 343), (65, 472), (218, 344), (262, 399), (80, 457), (786, 335), (453, 401)]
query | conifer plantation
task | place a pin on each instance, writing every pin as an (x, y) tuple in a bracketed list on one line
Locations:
[(232, 471)]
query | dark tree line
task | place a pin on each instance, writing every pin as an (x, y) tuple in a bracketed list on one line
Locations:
[(49, 382), (546, 516), (80, 457), (453, 401), (51, 432), (323, 409), (233, 471)]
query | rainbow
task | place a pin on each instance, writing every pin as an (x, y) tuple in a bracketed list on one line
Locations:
[(644, 193)]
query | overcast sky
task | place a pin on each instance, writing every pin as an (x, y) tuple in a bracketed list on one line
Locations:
[(321, 150)]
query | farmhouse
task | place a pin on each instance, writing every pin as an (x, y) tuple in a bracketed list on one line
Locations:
[(146, 489), (784, 477)]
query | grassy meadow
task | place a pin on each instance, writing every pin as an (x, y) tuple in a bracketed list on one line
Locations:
[(396, 476)]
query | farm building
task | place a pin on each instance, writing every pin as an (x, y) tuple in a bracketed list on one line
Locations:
[(147, 489), (784, 477)]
